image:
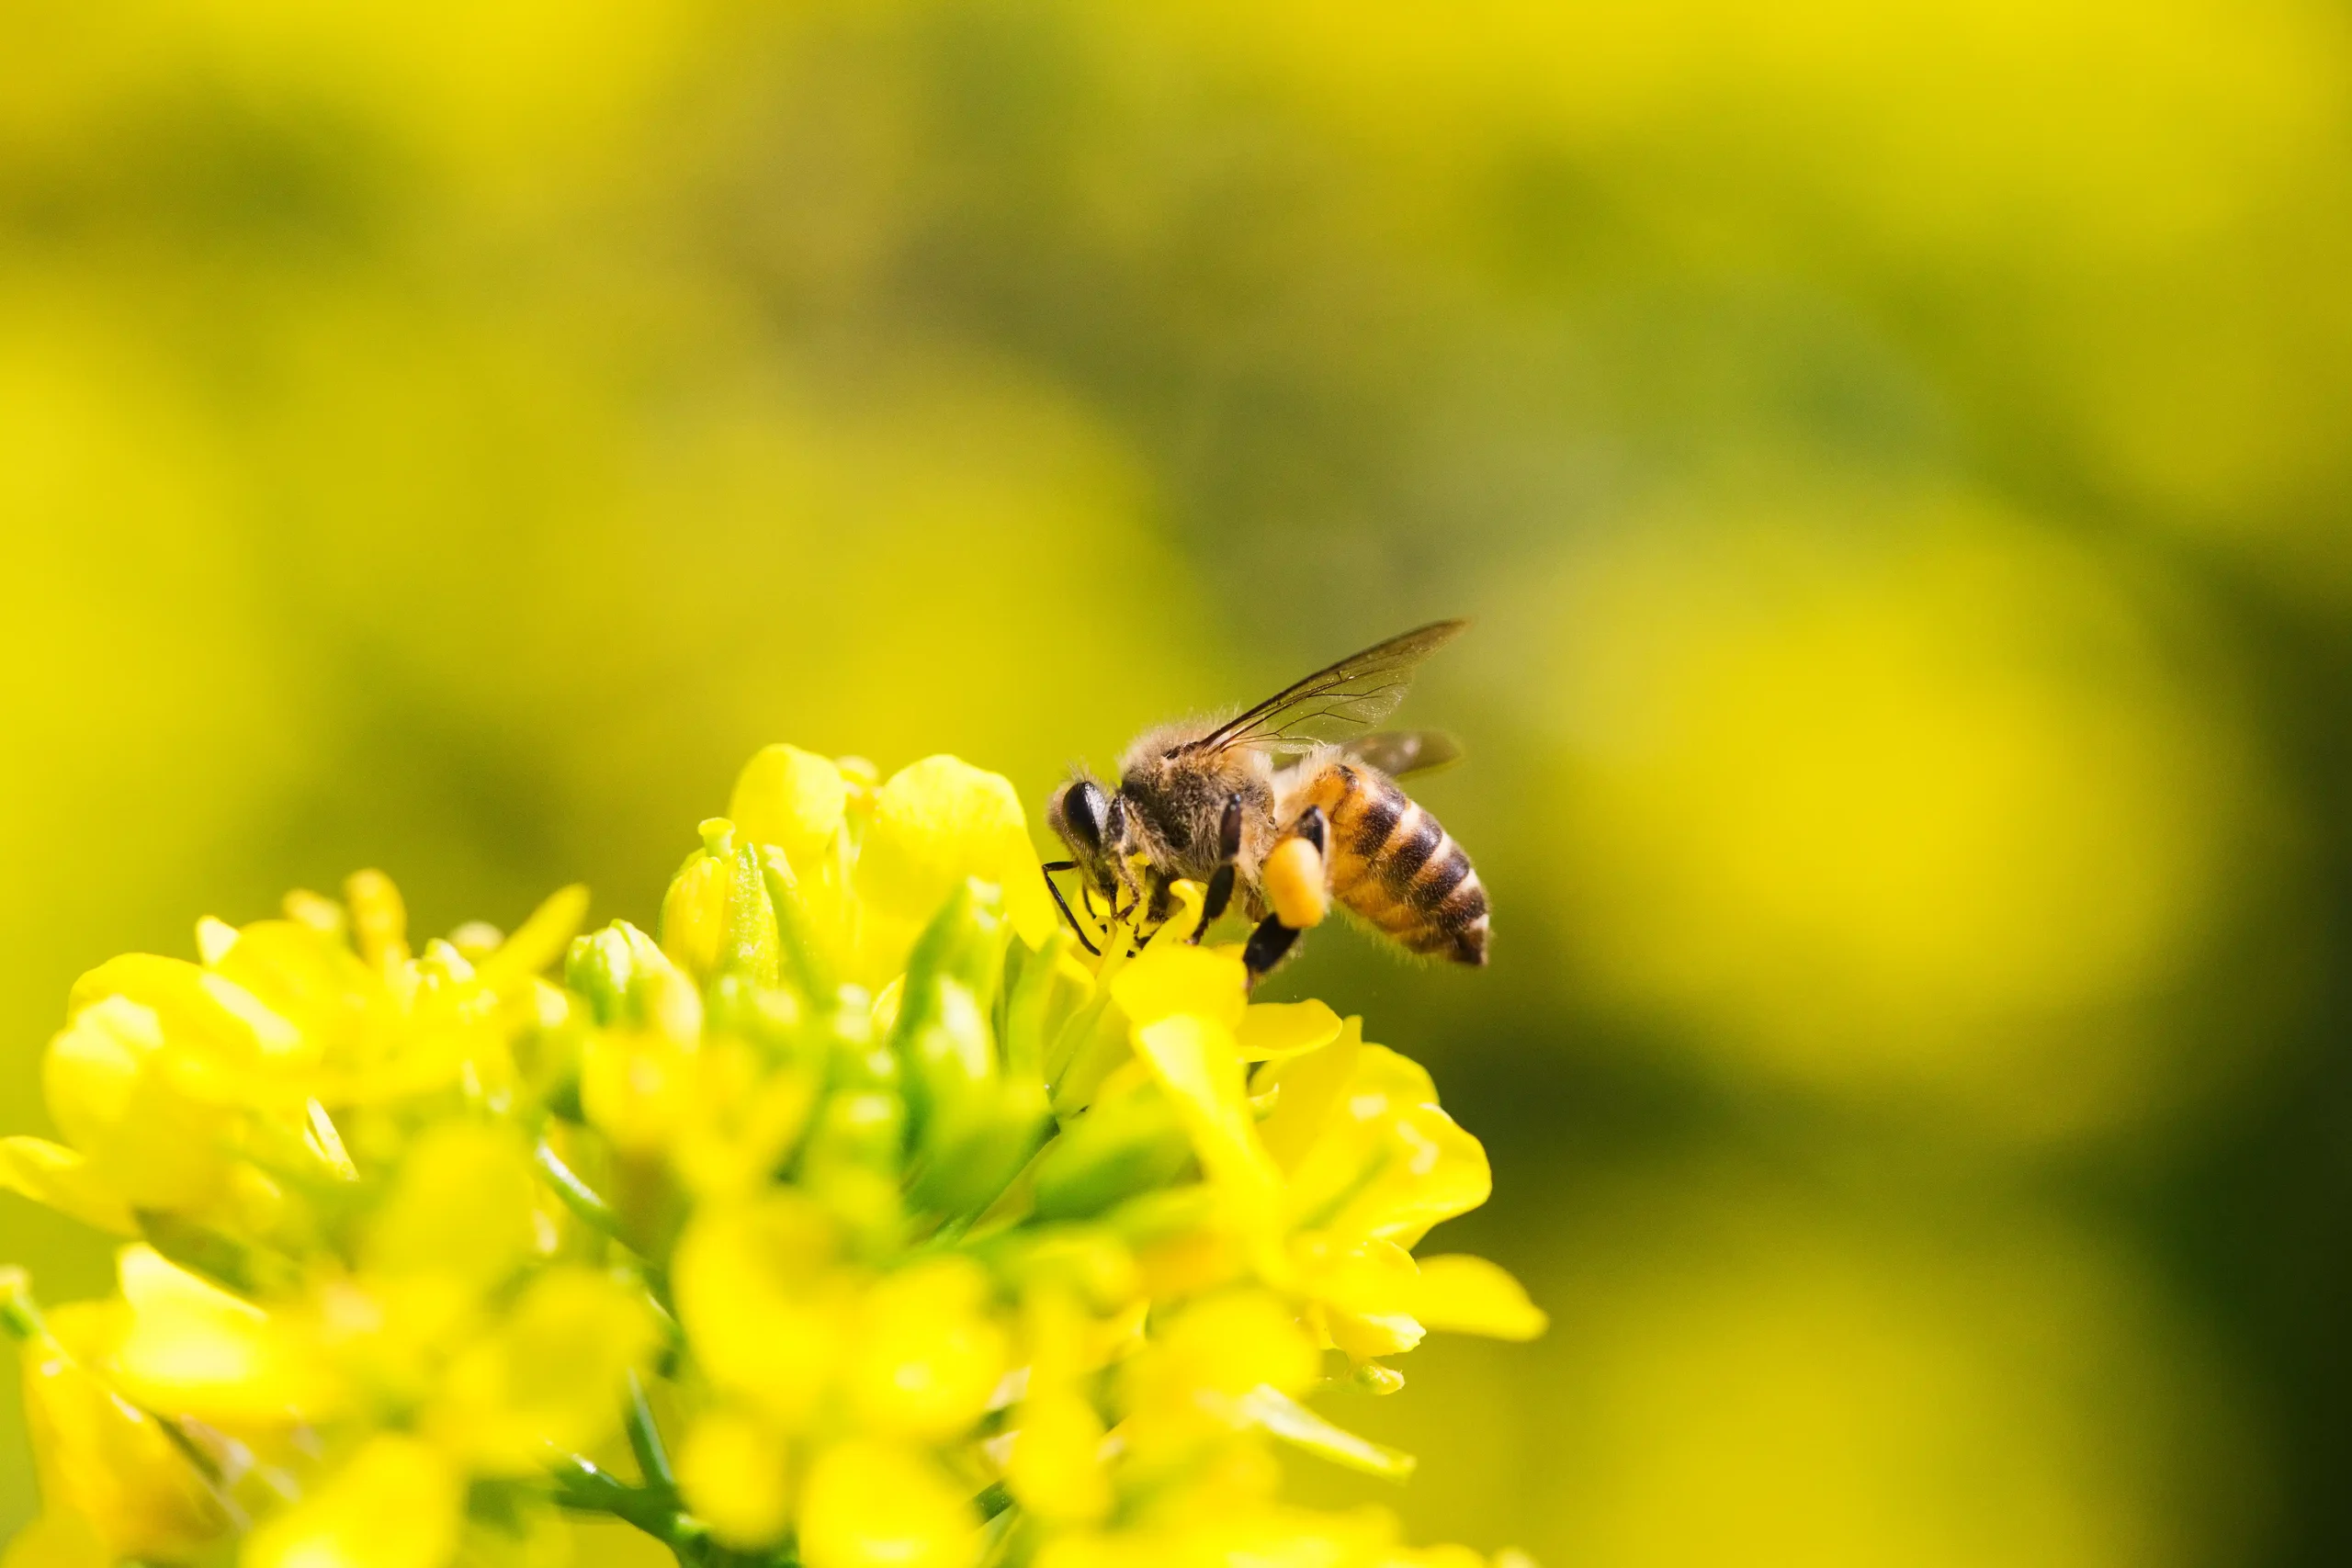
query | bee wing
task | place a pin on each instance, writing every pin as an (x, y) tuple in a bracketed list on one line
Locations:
[(1400, 752), (1360, 689)]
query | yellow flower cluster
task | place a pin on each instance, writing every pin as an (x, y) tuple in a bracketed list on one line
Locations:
[(859, 1219)]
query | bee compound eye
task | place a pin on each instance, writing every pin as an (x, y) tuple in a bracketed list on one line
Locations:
[(1082, 811)]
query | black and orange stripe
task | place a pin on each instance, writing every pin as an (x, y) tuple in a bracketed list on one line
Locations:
[(1393, 863)]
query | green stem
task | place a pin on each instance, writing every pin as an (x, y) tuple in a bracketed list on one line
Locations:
[(583, 1488), (577, 1196), (592, 1210), (645, 1437)]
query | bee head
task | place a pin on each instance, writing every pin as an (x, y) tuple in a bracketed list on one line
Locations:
[(1091, 822)]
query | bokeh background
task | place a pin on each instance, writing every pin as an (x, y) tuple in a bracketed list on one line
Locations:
[(1900, 458)]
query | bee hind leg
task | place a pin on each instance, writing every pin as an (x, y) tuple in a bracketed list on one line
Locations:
[(1296, 884), (1268, 945)]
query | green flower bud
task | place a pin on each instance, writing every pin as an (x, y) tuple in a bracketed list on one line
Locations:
[(858, 1058), (769, 1017), (866, 1129), (1043, 988), (943, 1037), (716, 918), (1125, 1146), (971, 1158), (1092, 1044), (801, 951), (851, 1162), (615, 969)]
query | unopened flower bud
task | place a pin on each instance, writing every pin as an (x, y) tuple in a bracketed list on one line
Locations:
[(716, 918)]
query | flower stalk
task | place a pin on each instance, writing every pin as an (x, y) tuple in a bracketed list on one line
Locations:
[(645, 1437), (580, 1487)]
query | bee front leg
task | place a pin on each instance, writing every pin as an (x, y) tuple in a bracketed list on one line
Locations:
[(1229, 849), (1062, 904), (1220, 894)]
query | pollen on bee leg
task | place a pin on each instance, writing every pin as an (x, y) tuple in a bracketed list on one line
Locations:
[(1293, 880)]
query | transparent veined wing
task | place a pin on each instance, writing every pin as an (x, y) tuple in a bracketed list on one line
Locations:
[(1336, 701), (1400, 752)]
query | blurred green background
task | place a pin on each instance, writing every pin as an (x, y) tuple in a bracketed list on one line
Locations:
[(1900, 458)]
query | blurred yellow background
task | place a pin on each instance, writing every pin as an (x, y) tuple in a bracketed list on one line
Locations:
[(1901, 459)]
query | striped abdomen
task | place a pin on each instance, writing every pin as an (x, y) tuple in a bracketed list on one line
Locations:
[(1393, 865)]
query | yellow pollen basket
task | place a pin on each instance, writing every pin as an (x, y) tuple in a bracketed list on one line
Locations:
[(1293, 878)]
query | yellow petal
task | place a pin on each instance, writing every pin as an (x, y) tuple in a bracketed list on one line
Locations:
[(1469, 1295), (1194, 1060), (1434, 1171), (194, 1348), (1368, 1277), (51, 1174), (1164, 980), (1092, 1549), (763, 1302), (59, 1538), (379, 918), (214, 938), (1374, 1155), (791, 799), (1395, 1076), (936, 823), (550, 1379), (741, 1119), (222, 1032), (1055, 1467), (732, 1472), (1189, 898), (1362, 1336), (1294, 1423), (872, 1506), (1232, 1342), (1453, 1556), (927, 1355), (1186, 1385), (310, 977), (1311, 1087), (694, 910), (105, 1462), (638, 1088), (1092, 1044), (108, 1090), (395, 1503), (461, 1208), (1269, 1031), (539, 943)]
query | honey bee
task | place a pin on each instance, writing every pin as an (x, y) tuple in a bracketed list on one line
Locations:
[(1290, 804)]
